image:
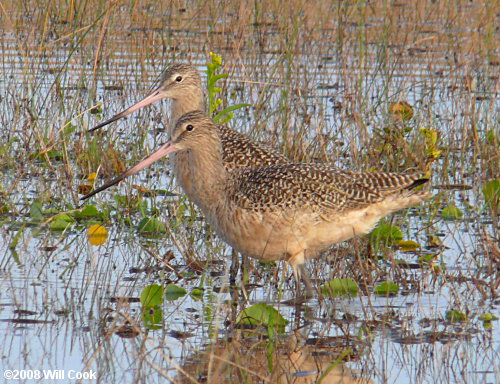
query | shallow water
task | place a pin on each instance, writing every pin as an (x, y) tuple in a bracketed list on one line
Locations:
[(320, 89)]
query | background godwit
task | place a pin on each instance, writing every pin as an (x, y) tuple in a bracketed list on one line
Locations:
[(182, 84)]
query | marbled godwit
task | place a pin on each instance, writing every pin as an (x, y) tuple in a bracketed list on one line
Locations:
[(182, 84), (281, 211)]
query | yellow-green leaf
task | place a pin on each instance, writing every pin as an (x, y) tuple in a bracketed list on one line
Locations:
[(455, 316), (408, 245), (97, 234)]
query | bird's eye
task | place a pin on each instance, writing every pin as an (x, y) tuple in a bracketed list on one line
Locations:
[(189, 127), (178, 79)]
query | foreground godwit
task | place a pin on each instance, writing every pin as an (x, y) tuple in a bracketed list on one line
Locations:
[(182, 84), (281, 211)]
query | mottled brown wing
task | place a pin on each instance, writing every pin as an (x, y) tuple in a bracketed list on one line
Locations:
[(238, 151), (301, 185)]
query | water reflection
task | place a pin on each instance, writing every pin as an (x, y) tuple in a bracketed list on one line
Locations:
[(253, 360)]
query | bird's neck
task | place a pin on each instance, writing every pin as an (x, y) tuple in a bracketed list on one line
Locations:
[(188, 102), (209, 176)]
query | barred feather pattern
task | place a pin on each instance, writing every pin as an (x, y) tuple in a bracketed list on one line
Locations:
[(238, 151), (262, 188), (324, 189)]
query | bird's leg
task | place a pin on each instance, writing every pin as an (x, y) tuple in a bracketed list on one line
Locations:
[(244, 269), (233, 272), (305, 278), (299, 271), (235, 265)]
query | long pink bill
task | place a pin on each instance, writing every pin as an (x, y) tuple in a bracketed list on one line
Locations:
[(164, 150), (150, 99)]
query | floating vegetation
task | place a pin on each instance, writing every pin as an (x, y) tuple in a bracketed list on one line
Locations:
[(174, 292), (152, 295), (387, 288), (340, 287), (451, 212), (455, 316), (262, 315), (384, 235), (97, 234), (408, 245), (152, 226), (491, 193)]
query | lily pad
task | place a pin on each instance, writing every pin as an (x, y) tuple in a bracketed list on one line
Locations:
[(488, 317), (86, 212), (152, 317), (340, 287), (174, 292), (386, 233), (427, 259), (408, 245), (151, 225), (451, 213), (455, 316), (197, 294), (386, 288), (262, 314), (152, 295)]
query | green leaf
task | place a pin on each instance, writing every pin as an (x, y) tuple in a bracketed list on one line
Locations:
[(4, 208), (451, 213), (427, 259), (223, 120), (152, 317), (386, 288), (262, 314), (69, 129), (152, 295), (197, 294), (61, 222), (16, 237), (431, 140), (174, 292), (230, 109), (214, 78), (340, 287), (386, 234), (36, 210), (490, 137), (455, 316), (491, 192), (151, 225), (86, 212)]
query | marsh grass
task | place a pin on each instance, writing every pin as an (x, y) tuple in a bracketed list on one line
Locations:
[(321, 78)]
